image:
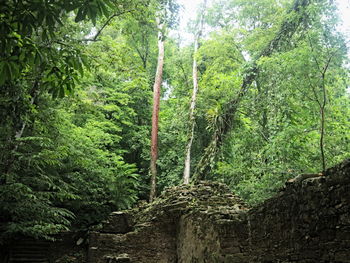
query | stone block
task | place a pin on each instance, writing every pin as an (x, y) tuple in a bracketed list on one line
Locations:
[(117, 223)]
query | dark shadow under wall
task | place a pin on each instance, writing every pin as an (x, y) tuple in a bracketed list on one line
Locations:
[(64, 250)]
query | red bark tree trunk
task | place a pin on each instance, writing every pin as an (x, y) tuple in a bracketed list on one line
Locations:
[(155, 114)]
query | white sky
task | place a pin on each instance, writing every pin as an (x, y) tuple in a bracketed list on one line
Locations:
[(190, 7), (188, 12), (344, 9)]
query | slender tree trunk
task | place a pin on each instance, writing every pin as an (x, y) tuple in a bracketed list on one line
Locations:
[(155, 114), (322, 105), (322, 139), (187, 170), (322, 102), (322, 112), (186, 176)]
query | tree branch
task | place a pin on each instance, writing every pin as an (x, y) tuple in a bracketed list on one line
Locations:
[(106, 24)]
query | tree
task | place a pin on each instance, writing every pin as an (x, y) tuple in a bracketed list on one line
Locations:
[(224, 123), (155, 113), (256, 163), (198, 34), (166, 18), (323, 62), (51, 171)]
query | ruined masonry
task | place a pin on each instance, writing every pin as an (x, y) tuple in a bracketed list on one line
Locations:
[(308, 221)]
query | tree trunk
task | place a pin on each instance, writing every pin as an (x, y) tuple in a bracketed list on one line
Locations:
[(322, 112), (322, 139), (187, 170), (155, 114)]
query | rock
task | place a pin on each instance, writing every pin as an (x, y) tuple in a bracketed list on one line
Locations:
[(118, 259), (80, 241), (117, 223)]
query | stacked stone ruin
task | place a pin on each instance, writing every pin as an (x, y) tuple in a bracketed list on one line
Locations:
[(308, 221)]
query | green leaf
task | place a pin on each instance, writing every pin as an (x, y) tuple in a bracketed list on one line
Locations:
[(103, 8), (6, 72), (3, 75), (92, 14), (81, 14)]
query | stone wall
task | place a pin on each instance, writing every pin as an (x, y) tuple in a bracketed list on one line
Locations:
[(308, 221)]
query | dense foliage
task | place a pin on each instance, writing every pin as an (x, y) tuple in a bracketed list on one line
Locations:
[(76, 93), (295, 62)]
